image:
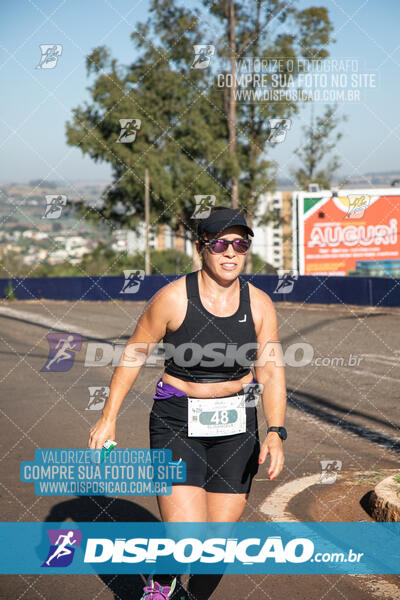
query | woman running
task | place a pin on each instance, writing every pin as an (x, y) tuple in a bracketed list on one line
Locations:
[(215, 326)]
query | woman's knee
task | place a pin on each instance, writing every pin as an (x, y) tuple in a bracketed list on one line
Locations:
[(184, 504), (225, 507)]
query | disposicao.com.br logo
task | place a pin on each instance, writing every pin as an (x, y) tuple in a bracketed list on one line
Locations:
[(212, 550)]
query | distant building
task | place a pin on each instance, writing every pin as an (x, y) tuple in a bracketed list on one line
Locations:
[(161, 237), (119, 240), (9, 248), (273, 241), (75, 242), (58, 256), (39, 235), (165, 239), (34, 257)]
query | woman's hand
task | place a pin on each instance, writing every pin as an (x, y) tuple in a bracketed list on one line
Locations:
[(273, 446), (103, 430)]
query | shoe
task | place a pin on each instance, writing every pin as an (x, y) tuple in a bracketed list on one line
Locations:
[(154, 591)]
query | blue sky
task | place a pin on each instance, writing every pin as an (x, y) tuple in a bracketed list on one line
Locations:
[(37, 103)]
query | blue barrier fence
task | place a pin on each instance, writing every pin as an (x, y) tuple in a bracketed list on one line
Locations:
[(363, 291)]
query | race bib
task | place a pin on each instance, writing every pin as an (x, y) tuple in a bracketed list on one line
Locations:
[(209, 417)]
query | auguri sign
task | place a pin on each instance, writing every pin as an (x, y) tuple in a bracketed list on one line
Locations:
[(333, 232)]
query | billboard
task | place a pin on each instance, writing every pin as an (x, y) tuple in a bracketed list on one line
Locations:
[(334, 232)]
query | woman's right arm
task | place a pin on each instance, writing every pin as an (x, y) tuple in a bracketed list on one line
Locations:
[(150, 329)]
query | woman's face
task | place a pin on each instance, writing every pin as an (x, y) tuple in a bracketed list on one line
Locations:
[(226, 265)]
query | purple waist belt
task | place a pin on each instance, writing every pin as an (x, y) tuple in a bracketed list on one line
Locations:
[(165, 390)]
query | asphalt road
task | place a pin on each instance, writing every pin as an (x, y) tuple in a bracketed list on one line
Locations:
[(342, 406)]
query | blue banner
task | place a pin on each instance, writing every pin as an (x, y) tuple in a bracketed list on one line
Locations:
[(279, 548), (365, 291)]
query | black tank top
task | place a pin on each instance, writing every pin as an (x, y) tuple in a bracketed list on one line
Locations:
[(207, 348)]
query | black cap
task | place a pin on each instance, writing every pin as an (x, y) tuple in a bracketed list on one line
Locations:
[(221, 219)]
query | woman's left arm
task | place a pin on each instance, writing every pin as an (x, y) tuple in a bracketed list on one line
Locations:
[(269, 371)]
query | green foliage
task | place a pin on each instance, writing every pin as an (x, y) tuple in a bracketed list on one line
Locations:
[(11, 265), (314, 32), (319, 139), (170, 262), (260, 267), (9, 291), (104, 261)]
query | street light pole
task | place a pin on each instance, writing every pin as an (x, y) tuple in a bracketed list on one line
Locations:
[(147, 267)]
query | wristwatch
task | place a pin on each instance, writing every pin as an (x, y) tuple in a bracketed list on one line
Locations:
[(280, 430)]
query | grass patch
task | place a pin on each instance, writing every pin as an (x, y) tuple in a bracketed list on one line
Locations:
[(368, 478), (397, 479), (9, 291)]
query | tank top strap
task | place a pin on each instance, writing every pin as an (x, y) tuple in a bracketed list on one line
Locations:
[(244, 291), (191, 285)]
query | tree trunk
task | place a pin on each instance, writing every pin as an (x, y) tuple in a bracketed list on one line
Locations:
[(232, 103), (254, 149), (147, 268), (248, 262)]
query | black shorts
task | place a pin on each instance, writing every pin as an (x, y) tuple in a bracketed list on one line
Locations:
[(224, 463)]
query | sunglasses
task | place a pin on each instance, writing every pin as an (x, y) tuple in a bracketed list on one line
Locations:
[(218, 246)]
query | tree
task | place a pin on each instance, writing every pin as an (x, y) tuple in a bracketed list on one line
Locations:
[(282, 34), (181, 139), (319, 139)]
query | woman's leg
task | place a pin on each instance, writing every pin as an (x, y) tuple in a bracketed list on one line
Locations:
[(225, 507), (186, 503), (220, 508)]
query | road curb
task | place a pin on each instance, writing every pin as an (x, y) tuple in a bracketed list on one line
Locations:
[(386, 502), (50, 322)]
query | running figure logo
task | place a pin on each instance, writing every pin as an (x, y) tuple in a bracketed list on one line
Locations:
[(132, 281), (204, 205), (286, 283), (97, 397), (50, 55), (358, 204), (54, 206), (330, 470), (253, 393), (278, 130), (129, 129), (62, 351), (202, 56), (62, 547)]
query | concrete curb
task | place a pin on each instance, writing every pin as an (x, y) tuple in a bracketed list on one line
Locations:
[(386, 503)]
